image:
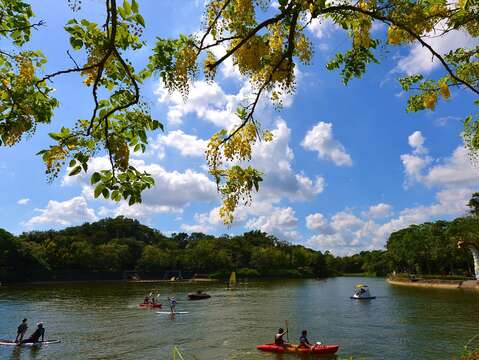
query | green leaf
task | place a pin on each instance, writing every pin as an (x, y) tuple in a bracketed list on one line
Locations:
[(134, 6), (98, 190), (95, 178), (76, 43), (75, 171)]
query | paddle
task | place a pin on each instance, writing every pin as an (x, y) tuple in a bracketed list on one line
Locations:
[(287, 330)]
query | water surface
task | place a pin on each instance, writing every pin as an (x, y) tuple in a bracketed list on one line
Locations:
[(102, 320)]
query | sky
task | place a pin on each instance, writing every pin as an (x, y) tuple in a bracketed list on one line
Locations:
[(347, 166)]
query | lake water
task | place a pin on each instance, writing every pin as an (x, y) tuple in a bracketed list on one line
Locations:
[(102, 320)]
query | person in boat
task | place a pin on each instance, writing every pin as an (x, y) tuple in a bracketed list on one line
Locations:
[(21, 330), (303, 340), (35, 337), (147, 300), (172, 301), (278, 338)]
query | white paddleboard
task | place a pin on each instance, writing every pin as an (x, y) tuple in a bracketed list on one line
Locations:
[(170, 313), (38, 343)]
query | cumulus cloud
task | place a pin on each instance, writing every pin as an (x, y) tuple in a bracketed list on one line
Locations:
[(315, 221), (173, 190), (380, 210), (455, 171), (23, 201), (420, 60), (320, 138), (206, 100), (415, 162), (186, 144), (63, 213), (454, 176), (416, 141), (282, 222), (322, 28)]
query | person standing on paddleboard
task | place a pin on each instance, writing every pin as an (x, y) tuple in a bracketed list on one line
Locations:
[(21, 330), (172, 301), (35, 337)]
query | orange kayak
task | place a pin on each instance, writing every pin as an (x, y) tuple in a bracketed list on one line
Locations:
[(291, 348)]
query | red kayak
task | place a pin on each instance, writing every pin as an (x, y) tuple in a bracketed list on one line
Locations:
[(291, 348), (149, 306)]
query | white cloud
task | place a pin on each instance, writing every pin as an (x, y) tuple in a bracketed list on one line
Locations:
[(186, 144), (416, 162), (320, 138), (206, 100), (322, 28), (420, 60), (454, 176), (172, 192), (416, 141), (380, 210), (63, 213), (413, 166), (315, 221), (23, 201), (455, 171), (282, 222), (274, 160)]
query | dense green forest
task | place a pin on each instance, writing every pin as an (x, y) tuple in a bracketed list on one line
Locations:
[(115, 248), (110, 247)]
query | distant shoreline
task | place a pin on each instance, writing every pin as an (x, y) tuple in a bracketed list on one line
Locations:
[(435, 283), (92, 281)]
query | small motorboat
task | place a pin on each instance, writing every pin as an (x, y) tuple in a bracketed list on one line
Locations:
[(362, 293), (291, 348), (199, 295), (149, 306)]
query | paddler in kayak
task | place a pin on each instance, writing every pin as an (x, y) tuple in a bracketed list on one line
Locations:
[(172, 301), (147, 300), (303, 340), (21, 330), (278, 338), (35, 337)]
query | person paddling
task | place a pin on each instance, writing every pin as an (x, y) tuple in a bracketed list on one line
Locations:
[(303, 340), (278, 338), (35, 337), (21, 330), (172, 301)]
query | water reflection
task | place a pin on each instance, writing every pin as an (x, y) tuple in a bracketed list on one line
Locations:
[(103, 320)]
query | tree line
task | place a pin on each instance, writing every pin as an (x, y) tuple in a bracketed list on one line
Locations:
[(110, 247)]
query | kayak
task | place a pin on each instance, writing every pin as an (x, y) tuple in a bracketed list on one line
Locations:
[(198, 296), (37, 343), (149, 306), (290, 348)]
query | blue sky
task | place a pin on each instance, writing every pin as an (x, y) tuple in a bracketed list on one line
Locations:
[(347, 165)]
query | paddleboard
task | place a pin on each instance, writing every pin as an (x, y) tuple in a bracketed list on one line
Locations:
[(169, 312), (38, 343)]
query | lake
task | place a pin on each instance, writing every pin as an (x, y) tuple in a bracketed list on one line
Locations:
[(103, 321)]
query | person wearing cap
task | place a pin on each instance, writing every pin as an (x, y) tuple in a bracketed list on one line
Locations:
[(35, 337), (21, 330)]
